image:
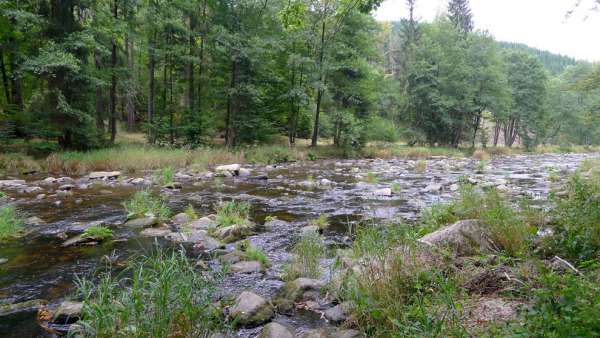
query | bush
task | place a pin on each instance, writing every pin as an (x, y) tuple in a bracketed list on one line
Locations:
[(11, 222), (144, 203), (231, 213), (160, 295), (165, 176), (379, 129)]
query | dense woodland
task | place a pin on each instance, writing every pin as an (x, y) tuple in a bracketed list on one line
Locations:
[(188, 71)]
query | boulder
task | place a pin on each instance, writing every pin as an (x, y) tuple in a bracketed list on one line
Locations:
[(339, 313), (466, 237), (228, 170), (251, 309), (143, 222), (181, 218), (243, 172), (433, 187), (246, 267), (234, 232), (30, 306), (383, 192), (203, 223), (138, 181), (199, 238), (49, 180), (68, 312), (295, 289), (104, 175), (12, 183), (156, 232), (275, 330)]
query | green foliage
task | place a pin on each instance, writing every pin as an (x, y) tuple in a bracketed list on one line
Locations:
[(420, 166), (256, 254), (320, 222), (11, 222), (372, 177), (379, 129), (165, 176), (307, 252), (158, 295), (145, 203), (98, 233), (191, 212), (233, 212)]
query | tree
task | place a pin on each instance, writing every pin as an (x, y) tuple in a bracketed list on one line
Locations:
[(459, 13)]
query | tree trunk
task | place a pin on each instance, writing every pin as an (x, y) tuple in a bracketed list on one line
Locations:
[(229, 127), (496, 133), (190, 67), (4, 78), (476, 124), (171, 115), (321, 88), (112, 101), (131, 89), (151, 90)]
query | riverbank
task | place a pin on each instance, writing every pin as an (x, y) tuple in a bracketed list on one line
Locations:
[(131, 156)]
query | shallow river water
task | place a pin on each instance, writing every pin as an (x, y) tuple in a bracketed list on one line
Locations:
[(38, 266)]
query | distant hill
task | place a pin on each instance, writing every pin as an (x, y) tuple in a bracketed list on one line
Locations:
[(554, 63)]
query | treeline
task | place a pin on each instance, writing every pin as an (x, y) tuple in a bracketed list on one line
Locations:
[(554, 63), (187, 71)]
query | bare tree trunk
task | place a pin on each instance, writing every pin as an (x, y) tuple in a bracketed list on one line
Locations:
[(476, 125), (113, 83), (320, 90), (496, 133), (4, 78), (190, 67), (151, 90), (171, 114), (229, 127), (131, 89)]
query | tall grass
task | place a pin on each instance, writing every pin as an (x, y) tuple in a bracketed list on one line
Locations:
[(145, 203), (159, 295), (11, 222), (307, 252), (99, 233), (233, 212)]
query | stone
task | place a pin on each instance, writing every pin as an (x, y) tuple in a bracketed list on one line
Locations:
[(181, 218), (316, 333), (34, 220), (30, 306), (105, 192), (228, 170), (31, 190), (251, 309), (156, 232), (339, 313), (3, 261), (309, 229), (234, 232), (66, 187), (11, 183), (246, 267), (64, 193), (67, 311), (203, 223), (65, 180), (383, 192), (325, 182), (243, 172), (347, 334), (143, 222), (199, 238), (295, 289), (138, 181), (275, 330), (49, 180), (104, 175), (433, 187), (466, 237), (40, 196), (78, 240), (232, 257)]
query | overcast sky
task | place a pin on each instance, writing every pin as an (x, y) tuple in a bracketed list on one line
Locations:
[(539, 23)]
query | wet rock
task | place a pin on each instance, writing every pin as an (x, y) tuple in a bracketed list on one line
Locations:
[(173, 186), (79, 240), (199, 238), (433, 187), (81, 226), (347, 334), (339, 313), (295, 289), (156, 232), (104, 175), (309, 229), (143, 222), (40, 196), (11, 183), (383, 192), (243, 172), (3, 261), (181, 218), (251, 309), (234, 232), (246, 267), (68, 312), (275, 330), (30, 306), (466, 237), (138, 181), (34, 220), (203, 223)]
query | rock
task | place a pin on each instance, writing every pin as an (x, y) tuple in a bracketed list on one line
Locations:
[(228, 170), (243, 172), (183, 176), (105, 192), (181, 218), (65, 180), (251, 309), (325, 182), (3, 261), (203, 223), (67, 311), (275, 330), (295, 289), (31, 190), (454, 187), (233, 257), (309, 229), (276, 224), (156, 232), (339, 313), (246, 267), (49, 180), (173, 186), (34, 220), (40, 196), (433, 187), (66, 187), (30, 306), (11, 183), (64, 193), (316, 333), (347, 334), (104, 175), (199, 238), (78, 240), (383, 192), (234, 232), (138, 181), (465, 237), (144, 222)]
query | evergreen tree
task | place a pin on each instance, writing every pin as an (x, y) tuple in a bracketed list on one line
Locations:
[(459, 13)]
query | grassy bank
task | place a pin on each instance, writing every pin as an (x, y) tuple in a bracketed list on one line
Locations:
[(132, 156)]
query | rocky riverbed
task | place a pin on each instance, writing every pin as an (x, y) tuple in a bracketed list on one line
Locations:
[(43, 264)]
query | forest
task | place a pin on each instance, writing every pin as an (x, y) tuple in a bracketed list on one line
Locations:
[(293, 168), (187, 73)]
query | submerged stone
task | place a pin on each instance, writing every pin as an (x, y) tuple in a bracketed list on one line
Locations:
[(143, 222)]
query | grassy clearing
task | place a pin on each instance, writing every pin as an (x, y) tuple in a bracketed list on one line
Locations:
[(160, 295), (11, 222), (232, 213), (307, 252), (144, 203)]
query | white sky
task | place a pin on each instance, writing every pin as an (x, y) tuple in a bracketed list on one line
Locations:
[(538, 23)]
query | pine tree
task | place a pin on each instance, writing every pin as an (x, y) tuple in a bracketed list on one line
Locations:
[(459, 12)]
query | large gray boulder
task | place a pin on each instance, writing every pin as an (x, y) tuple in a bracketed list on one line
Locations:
[(465, 237), (246, 267), (104, 175), (199, 238), (275, 330), (251, 309), (144, 222), (295, 289)]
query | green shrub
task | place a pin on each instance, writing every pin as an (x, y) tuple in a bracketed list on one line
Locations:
[(320, 222), (11, 222), (379, 129), (165, 176), (372, 177), (307, 252), (160, 295), (144, 203), (256, 254), (420, 166), (98, 233), (191, 212), (232, 212)]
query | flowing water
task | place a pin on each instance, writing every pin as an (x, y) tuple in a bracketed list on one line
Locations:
[(39, 267)]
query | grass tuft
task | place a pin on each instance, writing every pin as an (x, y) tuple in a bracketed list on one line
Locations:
[(98, 233), (232, 212), (144, 203), (11, 222), (307, 252)]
